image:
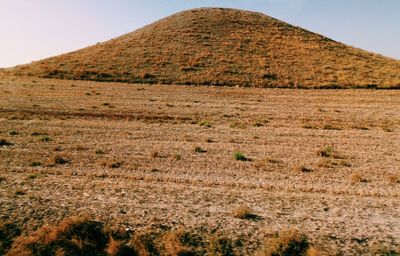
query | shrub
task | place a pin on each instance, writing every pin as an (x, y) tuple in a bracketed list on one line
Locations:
[(8, 232), (199, 150), (99, 152), (13, 132), (285, 244), (5, 143), (303, 168), (357, 178), (60, 160), (74, 236), (239, 156), (244, 213), (32, 176), (35, 164), (326, 152), (46, 138), (205, 123)]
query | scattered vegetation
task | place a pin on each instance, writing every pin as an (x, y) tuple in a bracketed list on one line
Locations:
[(308, 60)]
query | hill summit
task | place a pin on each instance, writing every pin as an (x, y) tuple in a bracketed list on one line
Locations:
[(217, 46)]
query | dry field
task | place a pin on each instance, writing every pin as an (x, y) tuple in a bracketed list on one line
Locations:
[(139, 157)]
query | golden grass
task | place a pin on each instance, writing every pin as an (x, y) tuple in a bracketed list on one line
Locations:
[(214, 46)]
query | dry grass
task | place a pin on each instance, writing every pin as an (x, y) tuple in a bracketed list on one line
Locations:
[(245, 213), (214, 46), (179, 187), (286, 243)]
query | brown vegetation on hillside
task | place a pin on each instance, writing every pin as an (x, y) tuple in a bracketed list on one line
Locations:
[(215, 46)]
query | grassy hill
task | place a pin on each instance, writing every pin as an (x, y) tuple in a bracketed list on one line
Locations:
[(214, 46)]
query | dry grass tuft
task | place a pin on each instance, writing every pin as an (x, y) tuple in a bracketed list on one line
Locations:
[(394, 179), (326, 151), (74, 236), (245, 213), (60, 160), (287, 243), (357, 178), (303, 168)]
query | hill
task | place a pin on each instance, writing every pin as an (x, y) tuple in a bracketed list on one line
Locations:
[(215, 46)]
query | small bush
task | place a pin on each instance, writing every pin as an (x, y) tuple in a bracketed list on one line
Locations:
[(5, 143), (244, 213), (32, 176), (357, 178), (35, 164), (99, 152), (239, 156), (394, 179), (154, 154), (205, 124), (115, 165), (13, 132), (326, 152), (199, 150), (75, 236), (303, 168), (286, 244), (46, 138), (38, 133), (60, 160)]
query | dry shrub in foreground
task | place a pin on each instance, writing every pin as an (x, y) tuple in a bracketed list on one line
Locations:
[(287, 243), (8, 232), (82, 236), (74, 236)]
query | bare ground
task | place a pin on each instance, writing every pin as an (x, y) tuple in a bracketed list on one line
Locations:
[(132, 162)]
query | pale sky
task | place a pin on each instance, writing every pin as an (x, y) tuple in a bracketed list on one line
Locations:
[(35, 29)]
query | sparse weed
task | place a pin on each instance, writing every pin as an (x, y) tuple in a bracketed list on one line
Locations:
[(239, 156)]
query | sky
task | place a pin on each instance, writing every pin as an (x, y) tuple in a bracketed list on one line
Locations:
[(36, 29)]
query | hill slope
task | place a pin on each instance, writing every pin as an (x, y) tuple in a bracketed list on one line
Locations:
[(214, 46)]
